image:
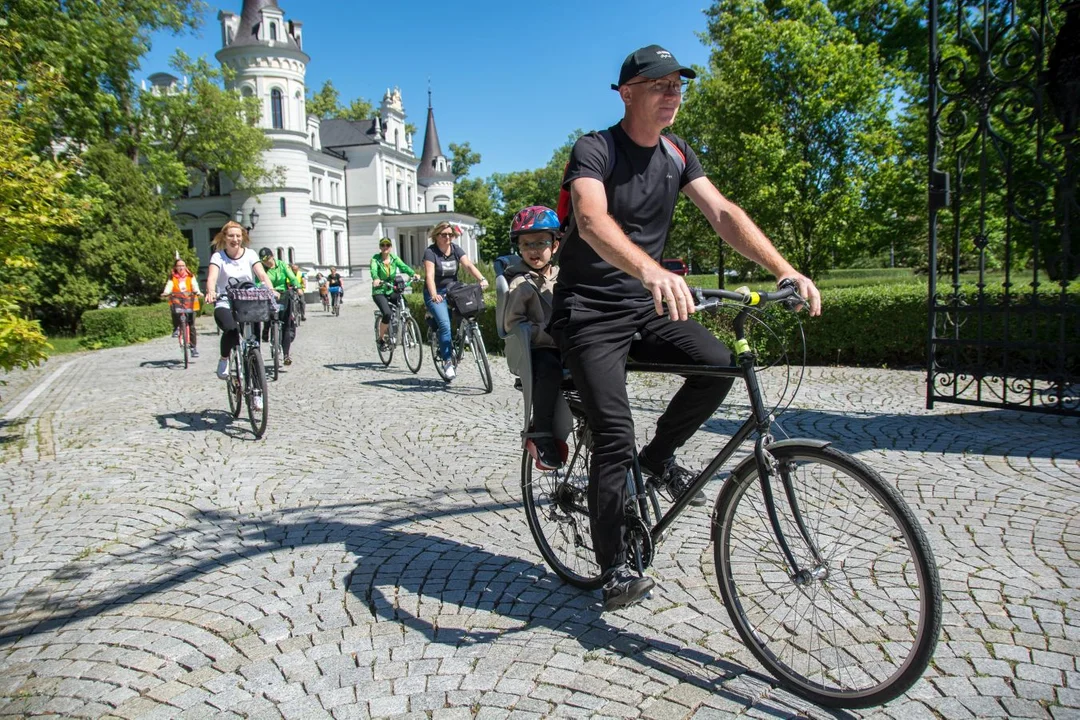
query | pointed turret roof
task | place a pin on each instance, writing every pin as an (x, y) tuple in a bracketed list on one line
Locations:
[(426, 173), (250, 17)]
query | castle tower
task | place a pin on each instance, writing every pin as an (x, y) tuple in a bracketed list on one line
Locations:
[(433, 174), (266, 54)]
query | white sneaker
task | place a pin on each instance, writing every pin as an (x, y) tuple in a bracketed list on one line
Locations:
[(449, 371), (223, 368)]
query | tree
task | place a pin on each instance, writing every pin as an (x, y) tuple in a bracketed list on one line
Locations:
[(34, 206), (96, 47), (325, 103), (200, 129), (358, 109), (792, 120), (462, 159)]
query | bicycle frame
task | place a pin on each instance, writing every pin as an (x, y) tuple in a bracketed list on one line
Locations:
[(760, 422)]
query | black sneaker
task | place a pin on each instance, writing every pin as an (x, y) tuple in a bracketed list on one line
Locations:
[(674, 479), (546, 453), (625, 588)]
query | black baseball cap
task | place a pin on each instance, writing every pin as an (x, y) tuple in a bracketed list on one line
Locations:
[(651, 61), (265, 253)]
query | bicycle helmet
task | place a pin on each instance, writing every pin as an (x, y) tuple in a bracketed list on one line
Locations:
[(535, 218), (265, 253)]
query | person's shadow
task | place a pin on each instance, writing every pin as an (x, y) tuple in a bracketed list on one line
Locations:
[(395, 569), (172, 364)]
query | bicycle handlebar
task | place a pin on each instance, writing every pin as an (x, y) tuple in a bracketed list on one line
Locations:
[(788, 294)]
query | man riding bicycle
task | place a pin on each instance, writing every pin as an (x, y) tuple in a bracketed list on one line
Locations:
[(281, 277), (384, 266), (623, 184)]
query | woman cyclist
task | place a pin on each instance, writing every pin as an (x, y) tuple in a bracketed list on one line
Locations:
[(324, 291), (182, 281), (384, 266), (232, 258), (441, 262)]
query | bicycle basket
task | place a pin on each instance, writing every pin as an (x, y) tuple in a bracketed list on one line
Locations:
[(400, 282), (182, 301), (466, 300), (252, 304)]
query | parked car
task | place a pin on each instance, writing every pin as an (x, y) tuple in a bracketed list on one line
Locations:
[(675, 265)]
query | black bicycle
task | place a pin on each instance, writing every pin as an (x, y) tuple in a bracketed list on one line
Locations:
[(825, 572), (246, 383), (277, 327), (465, 338), (404, 331)]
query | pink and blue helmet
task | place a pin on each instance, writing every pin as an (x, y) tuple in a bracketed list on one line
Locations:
[(535, 218)]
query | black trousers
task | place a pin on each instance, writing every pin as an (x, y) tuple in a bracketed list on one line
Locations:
[(230, 330), (193, 336), (288, 325), (384, 303), (547, 372), (595, 347)]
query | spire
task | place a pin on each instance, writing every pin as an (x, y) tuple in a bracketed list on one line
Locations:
[(430, 169)]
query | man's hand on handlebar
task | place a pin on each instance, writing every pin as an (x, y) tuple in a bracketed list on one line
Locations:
[(807, 290), (669, 289), (376, 282)]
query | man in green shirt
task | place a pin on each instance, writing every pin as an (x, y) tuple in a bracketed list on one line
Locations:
[(281, 277)]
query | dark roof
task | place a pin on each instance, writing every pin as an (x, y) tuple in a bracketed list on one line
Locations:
[(344, 133), (247, 33), (426, 172)]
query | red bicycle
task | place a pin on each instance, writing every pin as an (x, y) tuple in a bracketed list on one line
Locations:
[(183, 304)]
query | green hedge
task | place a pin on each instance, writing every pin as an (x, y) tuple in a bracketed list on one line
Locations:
[(111, 327)]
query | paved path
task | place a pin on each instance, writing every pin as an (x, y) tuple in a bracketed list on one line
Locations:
[(370, 557)]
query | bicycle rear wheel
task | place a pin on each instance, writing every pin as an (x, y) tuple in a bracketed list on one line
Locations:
[(387, 354), (557, 511), (411, 345), (481, 356), (258, 401), (861, 629), (233, 387), (433, 343)]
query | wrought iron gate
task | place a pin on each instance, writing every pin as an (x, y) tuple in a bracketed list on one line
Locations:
[(1004, 147)]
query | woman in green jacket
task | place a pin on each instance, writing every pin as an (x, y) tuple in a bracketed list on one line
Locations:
[(384, 266)]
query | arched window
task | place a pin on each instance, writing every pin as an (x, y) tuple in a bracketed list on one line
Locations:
[(282, 202), (276, 110), (292, 256), (273, 36), (280, 253)]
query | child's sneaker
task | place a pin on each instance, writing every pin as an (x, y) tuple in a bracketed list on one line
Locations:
[(545, 453)]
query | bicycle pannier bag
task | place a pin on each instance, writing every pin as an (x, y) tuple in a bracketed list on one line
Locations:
[(466, 300), (252, 304)]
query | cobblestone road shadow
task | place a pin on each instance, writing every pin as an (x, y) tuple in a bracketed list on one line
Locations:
[(207, 421), (451, 592), (172, 364)]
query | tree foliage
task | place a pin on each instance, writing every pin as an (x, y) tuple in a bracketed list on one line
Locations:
[(792, 120), (324, 104), (462, 159), (202, 128)]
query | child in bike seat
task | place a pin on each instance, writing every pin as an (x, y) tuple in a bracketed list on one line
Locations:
[(535, 230)]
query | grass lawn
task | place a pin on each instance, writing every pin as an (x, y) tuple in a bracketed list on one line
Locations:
[(64, 344)]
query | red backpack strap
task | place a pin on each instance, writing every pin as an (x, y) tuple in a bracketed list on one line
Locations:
[(677, 156)]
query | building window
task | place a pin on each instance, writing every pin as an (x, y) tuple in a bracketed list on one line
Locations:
[(410, 199), (189, 235), (273, 31), (280, 253), (401, 198), (318, 247), (281, 203), (292, 256), (213, 183), (213, 234), (442, 207), (337, 248), (276, 109), (388, 193)]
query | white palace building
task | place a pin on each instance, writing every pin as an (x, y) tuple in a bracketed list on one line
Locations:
[(346, 184)]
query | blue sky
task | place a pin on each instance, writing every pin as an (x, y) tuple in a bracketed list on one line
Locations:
[(511, 81)]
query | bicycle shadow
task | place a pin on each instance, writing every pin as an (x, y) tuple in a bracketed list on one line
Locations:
[(496, 595), (172, 364), (340, 367), (209, 420), (405, 383)]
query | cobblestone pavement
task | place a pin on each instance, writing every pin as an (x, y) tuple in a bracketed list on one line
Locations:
[(369, 556)]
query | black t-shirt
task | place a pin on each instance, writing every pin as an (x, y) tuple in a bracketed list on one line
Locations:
[(334, 279), (446, 266), (641, 194)]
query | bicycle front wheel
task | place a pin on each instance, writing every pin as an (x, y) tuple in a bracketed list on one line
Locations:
[(275, 349), (557, 510), (386, 354), (861, 627), (233, 387), (411, 345), (433, 343), (185, 339), (481, 356), (258, 401)]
